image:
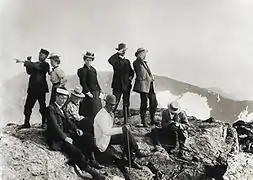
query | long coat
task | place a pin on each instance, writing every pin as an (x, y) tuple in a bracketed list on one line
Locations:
[(58, 127), (143, 76), (37, 80), (88, 80), (122, 73)]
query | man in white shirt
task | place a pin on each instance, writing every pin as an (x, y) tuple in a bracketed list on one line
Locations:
[(105, 134)]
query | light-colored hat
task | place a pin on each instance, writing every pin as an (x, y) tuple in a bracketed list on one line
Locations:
[(53, 56), (111, 99), (62, 91), (139, 50), (174, 107), (78, 92)]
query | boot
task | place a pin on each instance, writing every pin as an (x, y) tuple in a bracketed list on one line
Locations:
[(94, 173), (125, 114), (154, 122), (143, 121), (44, 124), (94, 163), (27, 122)]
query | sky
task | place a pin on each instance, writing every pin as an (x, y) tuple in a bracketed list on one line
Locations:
[(208, 43)]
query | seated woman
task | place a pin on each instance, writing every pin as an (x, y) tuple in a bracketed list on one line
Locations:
[(72, 113)]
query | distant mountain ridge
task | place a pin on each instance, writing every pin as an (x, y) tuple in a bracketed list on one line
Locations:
[(224, 109)]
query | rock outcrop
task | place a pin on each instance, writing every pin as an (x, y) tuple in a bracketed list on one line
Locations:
[(25, 155)]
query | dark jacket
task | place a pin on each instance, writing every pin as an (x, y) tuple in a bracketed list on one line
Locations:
[(122, 72), (179, 118), (58, 127), (88, 79), (143, 78), (37, 80)]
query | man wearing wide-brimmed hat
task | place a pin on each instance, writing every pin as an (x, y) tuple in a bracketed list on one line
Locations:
[(144, 85), (57, 75), (37, 87), (91, 104), (174, 125), (122, 78)]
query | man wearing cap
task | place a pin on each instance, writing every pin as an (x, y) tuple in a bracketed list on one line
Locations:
[(37, 87), (62, 134), (57, 75), (106, 134), (91, 104), (174, 124), (144, 85), (122, 78)]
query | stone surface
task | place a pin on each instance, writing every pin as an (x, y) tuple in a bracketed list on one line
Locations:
[(25, 155)]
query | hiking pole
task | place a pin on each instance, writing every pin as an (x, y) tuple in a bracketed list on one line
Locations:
[(128, 143)]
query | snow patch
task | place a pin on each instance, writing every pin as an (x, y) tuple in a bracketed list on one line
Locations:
[(194, 104), (245, 115)]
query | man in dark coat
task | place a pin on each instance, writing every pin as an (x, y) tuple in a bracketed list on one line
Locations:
[(144, 85), (91, 104), (174, 125), (37, 87), (63, 135), (122, 78)]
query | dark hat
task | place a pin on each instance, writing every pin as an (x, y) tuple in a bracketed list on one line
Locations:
[(174, 107), (121, 46), (88, 55), (110, 99), (78, 92), (139, 50), (46, 52), (62, 91)]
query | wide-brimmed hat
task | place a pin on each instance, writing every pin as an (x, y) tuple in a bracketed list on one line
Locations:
[(139, 50), (44, 51), (89, 55), (110, 99), (62, 91), (54, 56), (121, 47), (174, 107), (77, 92)]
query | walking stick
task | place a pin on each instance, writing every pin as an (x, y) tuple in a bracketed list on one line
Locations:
[(128, 143)]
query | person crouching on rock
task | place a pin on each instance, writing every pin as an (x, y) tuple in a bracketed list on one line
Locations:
[(60, 134), (106, 135), (72, 113), (57, 75), (174, 124)]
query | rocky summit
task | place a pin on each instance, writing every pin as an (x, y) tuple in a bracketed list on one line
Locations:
[(212, 152)]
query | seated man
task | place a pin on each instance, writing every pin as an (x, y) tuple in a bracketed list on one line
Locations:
[(72, 113), (174, 123), (60, 131), (106, 135)]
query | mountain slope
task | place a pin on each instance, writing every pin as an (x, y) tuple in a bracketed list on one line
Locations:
[(221, 108)]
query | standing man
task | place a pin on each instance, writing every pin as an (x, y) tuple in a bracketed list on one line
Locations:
[(37, 87), (122, 78), (144, 85)]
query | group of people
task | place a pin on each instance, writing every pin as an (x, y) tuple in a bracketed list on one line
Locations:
[(79, 126)]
